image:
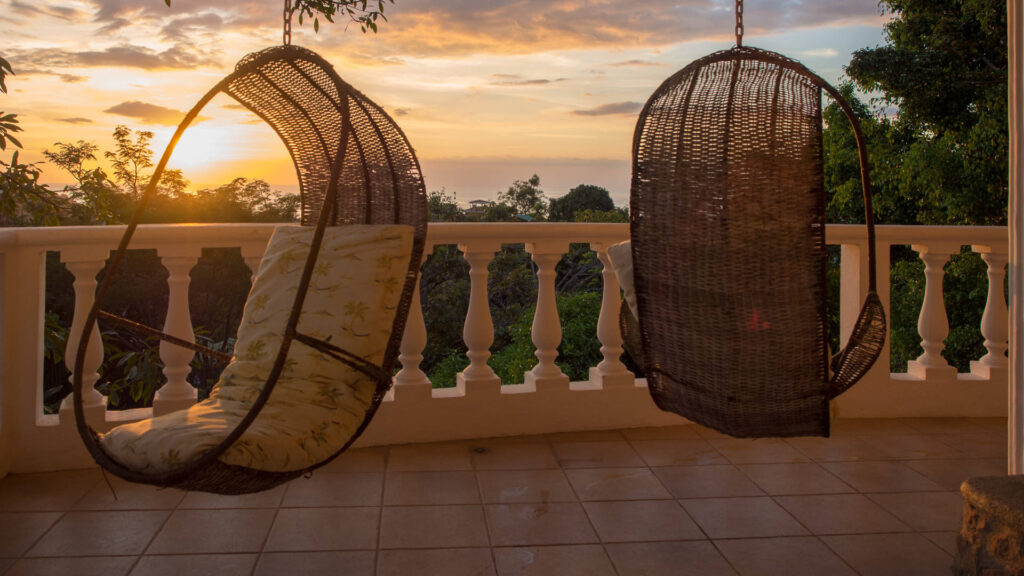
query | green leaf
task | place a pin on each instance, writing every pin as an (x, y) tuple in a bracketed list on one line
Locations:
[(316, 25)]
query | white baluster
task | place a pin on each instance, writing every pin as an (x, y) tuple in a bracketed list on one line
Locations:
[(478, 331), (933, 324), (177, 392), (411, 380), (84, 265), (610, 372), (995, 321), (547, 329)]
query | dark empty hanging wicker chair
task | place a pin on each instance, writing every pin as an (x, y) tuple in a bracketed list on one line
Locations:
[(328, 306), (728, 243)]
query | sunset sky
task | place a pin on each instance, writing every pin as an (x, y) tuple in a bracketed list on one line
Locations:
[(488, 91)]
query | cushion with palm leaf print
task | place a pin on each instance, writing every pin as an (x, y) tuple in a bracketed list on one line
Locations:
[(318, 402)]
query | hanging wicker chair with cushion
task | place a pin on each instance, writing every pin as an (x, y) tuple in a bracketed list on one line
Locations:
[(322, 325), (727, 231)]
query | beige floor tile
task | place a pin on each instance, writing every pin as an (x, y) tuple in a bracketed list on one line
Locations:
[(915, 447), (359, 460), (945, 425), (609, 454), (129, 496), (266, 499), (697, 558), (709, 433), (538, 524), (447, 562), (841, 514), (924, 511), (521, 486), (881, 477), (20, 530), (681, 432), (585, 560), (707, 482), (837, 449), (944, 540), (298, 529), (46, 491), (196, 565), (95, 566), (100, 534), (950, 474), (793, 556), (433, 527), (687, 452), (891, 554), (978, 445), (335, 489), (757, 451), (434, 488), (213, 531), (512, 456), (315, 564), (429, 457), (800, 478), (742, 518), (616, 484), (586, 436), (991, 424), (870, 426), (642, 521)]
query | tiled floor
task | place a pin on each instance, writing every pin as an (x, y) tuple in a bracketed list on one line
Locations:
[(878, 498)]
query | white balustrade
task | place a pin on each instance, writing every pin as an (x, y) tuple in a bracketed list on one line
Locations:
[(84, 264), (995, 321), (933, 324), (411, 380), (611, 398), (177, 391), (478, 331), (547, 328), (610, 372)]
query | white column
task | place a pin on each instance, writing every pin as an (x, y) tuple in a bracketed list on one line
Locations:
[(610, 372), (177, 392), (547, 329), (411, 380), (478, 332), (1015, 52), (84, 265), (933, 324), (994, 325)]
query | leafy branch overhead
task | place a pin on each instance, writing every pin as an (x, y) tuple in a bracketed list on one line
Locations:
[(8, 122), (366, 13)]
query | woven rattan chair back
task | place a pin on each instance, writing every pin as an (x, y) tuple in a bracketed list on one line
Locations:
[(354, 166), (728, 238)]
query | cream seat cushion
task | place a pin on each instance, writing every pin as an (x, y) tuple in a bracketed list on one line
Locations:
[(318, 402), (621, 256)]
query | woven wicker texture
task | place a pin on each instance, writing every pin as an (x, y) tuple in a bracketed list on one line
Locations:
[(727, 225), (354, 166)]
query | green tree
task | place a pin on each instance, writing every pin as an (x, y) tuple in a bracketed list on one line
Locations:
[(938, 149), (526, 198), (944, 68), (130, 158), (581, 198), (442, 208)]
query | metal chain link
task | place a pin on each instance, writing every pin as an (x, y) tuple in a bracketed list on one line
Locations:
[(287, 22), (739, 22)]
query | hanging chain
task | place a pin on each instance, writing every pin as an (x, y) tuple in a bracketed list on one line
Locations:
[(739, 22), (287, 22)]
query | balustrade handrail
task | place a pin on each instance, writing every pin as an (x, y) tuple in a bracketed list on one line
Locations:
[(223, 234)]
